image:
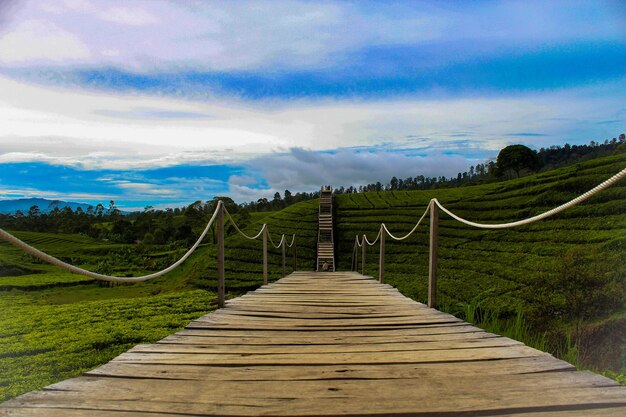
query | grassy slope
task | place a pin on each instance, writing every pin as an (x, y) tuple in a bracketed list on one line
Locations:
[(495, 269), (477, 264), (55, 325)]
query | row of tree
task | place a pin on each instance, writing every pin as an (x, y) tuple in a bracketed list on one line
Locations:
[(149, 226), (279, 202), (512, 161), (184, 224)]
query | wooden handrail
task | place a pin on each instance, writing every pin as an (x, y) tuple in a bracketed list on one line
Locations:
[(283, 256), (265, 256), (432, 261), (363, 257), (381, 259), (219, 225), (294, 254)]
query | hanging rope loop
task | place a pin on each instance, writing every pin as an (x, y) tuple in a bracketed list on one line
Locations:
[(541, 216), (620, 175), (110, 278), (102, 277)]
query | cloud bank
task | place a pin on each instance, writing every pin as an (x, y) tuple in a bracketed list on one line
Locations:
[(248, 98)]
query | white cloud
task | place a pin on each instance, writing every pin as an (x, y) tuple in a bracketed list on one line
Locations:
[(301, 169), (28, 192), (33, 41), (100, 131), (284, 34), (132, 16)]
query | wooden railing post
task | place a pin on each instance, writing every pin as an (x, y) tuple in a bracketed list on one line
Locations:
[(353, 252), (265, 256), (432, 263), (381, 259), (363, 256), (294, 254), (219, 225), (355, 266), (283, 255)]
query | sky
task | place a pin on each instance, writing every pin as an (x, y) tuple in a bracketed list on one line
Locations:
[(164, 103)]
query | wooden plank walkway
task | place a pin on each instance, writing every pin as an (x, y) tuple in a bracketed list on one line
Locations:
[(317, 344)]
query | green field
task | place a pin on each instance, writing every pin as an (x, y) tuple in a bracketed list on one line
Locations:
[(55, 325), (566, 274)]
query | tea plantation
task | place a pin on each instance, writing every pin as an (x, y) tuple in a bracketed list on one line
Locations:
[(55, 325), (566, 273)]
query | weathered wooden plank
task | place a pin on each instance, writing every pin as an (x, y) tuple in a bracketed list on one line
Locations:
[(543, 363), (328, 348), (558, 391), (304, 334), (328, 344), (526, 365), (313, 314), (295, 340), (67, 412), (325, 322), (338, 358)]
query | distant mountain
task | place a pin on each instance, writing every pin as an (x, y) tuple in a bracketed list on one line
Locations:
[(45, 206)]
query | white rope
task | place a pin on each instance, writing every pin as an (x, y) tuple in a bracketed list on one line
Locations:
[(412, 230), (232, 221), (282, 238), (359, 244), (55, 261), (541, 216), (375, 240), (265, 227)]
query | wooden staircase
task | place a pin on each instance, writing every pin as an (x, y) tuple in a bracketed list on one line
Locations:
[(325, 244)]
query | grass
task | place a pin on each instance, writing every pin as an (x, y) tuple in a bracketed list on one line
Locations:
[(515, 327), (552, 273), (41, 343), (55, 325), (499, 261)]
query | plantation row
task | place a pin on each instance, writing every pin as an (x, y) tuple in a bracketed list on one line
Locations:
[(43, 343), (55, 325), (564, 270), (504, 271)]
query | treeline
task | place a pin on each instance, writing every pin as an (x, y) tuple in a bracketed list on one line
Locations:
[(491, 171), (279, 202), (557, 156), (150, 226), (183, 225)]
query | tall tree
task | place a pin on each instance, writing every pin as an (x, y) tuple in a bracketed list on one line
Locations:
[(517, 158)]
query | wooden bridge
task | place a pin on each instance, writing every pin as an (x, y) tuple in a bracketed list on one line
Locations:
[(327, 343), (318, 344), (325, 238)]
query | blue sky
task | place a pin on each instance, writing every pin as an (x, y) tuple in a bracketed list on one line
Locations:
[(165, 103)]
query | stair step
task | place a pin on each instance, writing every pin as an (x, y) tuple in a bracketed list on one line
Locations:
[(325, 244)]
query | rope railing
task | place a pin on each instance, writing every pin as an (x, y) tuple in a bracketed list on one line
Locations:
[(265, 235), (366, 240), (217, 217), (102, 277), (541, 216), (433, 207), (412, 230), (232, 221), (280, 243)]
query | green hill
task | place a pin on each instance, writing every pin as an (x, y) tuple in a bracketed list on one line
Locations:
[(561, 272), (55, 325)]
